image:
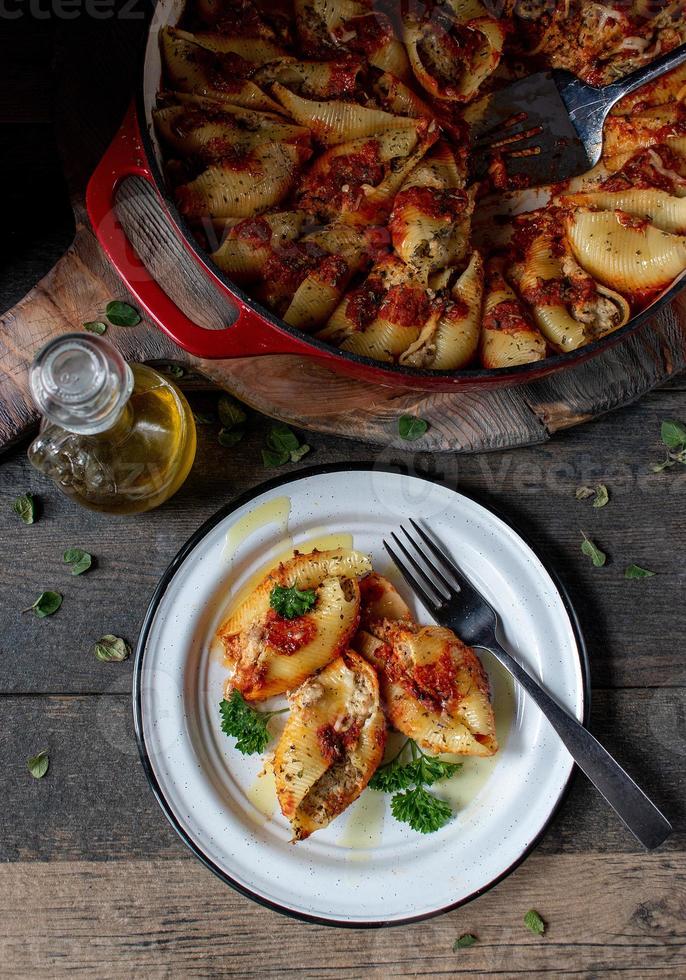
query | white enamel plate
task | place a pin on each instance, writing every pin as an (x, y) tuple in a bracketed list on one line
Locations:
[(365, 868)]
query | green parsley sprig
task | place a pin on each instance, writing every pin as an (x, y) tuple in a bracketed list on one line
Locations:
[(290, 602), (423, 811), (246, 724)]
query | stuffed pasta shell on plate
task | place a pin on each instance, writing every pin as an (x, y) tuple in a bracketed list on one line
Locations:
[(335, 800), (301, 617), (332, 743), (434, 687)]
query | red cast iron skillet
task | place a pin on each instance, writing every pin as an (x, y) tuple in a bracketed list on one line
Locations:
[(135, 151)]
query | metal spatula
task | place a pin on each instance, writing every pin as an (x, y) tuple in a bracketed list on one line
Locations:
[(549, 126)]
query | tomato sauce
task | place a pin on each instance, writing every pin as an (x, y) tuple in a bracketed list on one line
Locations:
[(438, 679), (632, 221), (447, 205), (285, 270), (254, 231), (287, 636), (406, 306), (372, 31), (333, 743), (363, 303), (343, 77), (508, 317), (333, 271)]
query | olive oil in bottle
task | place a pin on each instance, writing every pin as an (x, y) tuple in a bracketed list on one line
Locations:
[(116, 437)]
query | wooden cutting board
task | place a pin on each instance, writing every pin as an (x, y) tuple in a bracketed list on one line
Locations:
[(296, 389)]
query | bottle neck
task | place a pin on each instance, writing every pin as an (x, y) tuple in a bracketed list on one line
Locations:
[(83, 384)]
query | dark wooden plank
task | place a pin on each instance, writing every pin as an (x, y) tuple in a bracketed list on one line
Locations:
[(622, 916), (29, 165), (630, 626), (94, 804)]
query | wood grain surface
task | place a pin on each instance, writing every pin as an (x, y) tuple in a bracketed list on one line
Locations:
[(93, 881), (88, 854)]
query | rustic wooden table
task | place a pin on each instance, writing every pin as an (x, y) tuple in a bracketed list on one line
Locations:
[(94, 880)]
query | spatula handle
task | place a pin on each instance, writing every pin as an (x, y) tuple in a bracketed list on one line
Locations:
[(648, 73)]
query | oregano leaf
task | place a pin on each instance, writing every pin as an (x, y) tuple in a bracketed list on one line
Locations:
[(38, 764), (122, 314)]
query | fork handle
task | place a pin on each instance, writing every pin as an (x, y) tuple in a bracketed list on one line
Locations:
[(628, 800)]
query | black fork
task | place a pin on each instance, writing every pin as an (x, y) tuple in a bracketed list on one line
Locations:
[(454, 602)]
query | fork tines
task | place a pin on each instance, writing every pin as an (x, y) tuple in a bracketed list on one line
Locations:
[(437, 580)]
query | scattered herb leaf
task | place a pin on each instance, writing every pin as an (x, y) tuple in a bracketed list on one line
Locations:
[(79, 560), (282, 439), (230, 413), (424, 812), (602, 497), (533, 921), (111, 649), (635, 571), (38, 764), (25, 507), (246, 724), (122, 314), (464, 942), (592, 550), (272, 459), (283, 446), (46, 604), (203, 418), (95, 326), (411, 427), (297, 454), (291, 602), (229, 437), (673, 434), (599, 493)]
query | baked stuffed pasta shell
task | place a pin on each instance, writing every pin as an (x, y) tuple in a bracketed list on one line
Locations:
[(453, 47), (430, 221), (247, 245), (334, 121), (271, 654), (343, 252), (434, 687), (450, 339), (332, 744), (384, 315), (311, 79), (625, 252), (569, 307), (356, 181), (190, 67), (353, 27), (508, 333)]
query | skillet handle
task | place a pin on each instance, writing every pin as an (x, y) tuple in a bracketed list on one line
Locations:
[(248, 336)]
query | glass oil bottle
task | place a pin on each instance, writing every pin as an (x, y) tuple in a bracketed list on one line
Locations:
[(115, 437)]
